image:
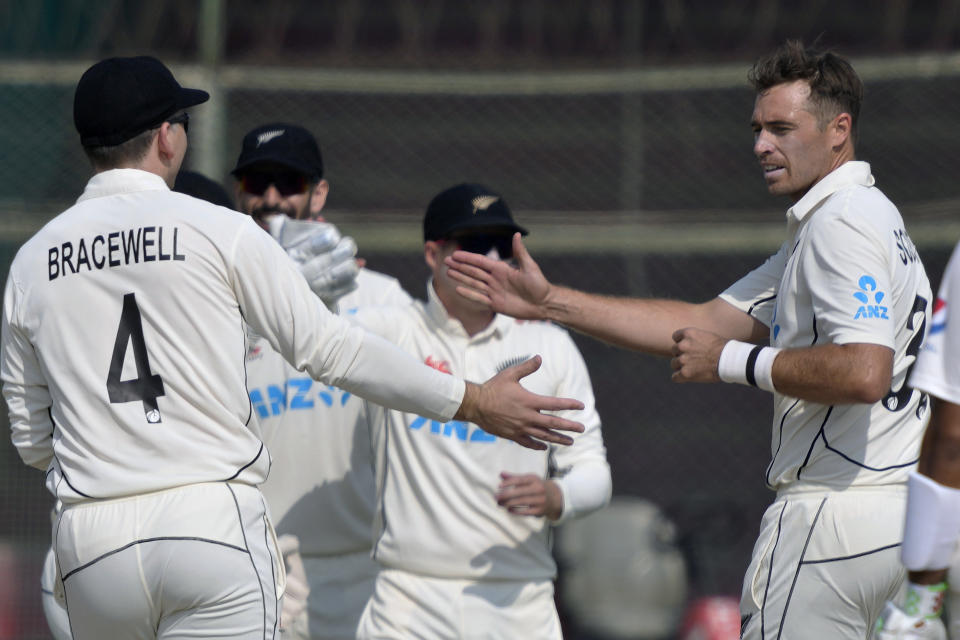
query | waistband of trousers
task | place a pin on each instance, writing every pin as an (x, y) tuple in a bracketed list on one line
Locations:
[(812, 488)]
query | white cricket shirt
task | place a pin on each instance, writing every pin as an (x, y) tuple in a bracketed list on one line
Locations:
[(123, 342), (937, 370), (321, 486), (848, 273), (436, 480)]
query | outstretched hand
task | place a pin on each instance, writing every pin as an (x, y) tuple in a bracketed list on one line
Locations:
[(502, 406), (520, 291)]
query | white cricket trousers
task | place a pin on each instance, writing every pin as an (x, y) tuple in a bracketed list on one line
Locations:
[(53, 611), (340, 587), (407, 606), (199, 561), (824, 564)]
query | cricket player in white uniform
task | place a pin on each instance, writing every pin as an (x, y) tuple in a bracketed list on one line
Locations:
[(930, 550), (830, 325), (321, 490), (465, 519), (198, 186), (122, 341)]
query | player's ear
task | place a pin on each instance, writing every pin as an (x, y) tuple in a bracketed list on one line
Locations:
[(432, 251), (318, 197), (238, 194), (840, 129), (164, 141)]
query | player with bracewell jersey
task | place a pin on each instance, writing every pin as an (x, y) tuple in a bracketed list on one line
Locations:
[(123, 341), (829, 325), (198, 186)]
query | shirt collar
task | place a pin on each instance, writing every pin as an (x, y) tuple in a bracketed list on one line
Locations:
[(438, 316), (849, 173), (116, 181)]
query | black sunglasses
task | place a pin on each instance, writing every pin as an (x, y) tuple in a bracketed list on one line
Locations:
[(288, 183), (482, 243), (181, 118)]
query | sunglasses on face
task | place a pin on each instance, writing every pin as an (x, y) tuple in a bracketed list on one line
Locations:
[(288, 183), (181, 118), (482, 243)]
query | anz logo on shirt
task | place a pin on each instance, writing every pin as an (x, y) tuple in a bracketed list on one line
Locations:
[(454, 429), (298, 394), (870, 300)]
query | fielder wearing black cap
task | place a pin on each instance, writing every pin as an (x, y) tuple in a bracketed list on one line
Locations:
[(118, 98), (286, 145), (476, 217), (280, 171)]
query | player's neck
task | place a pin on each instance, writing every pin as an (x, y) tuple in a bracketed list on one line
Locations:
[(154, 164), (475, 321)]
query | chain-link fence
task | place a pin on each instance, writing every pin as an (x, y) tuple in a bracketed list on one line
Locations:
[(633, 182)]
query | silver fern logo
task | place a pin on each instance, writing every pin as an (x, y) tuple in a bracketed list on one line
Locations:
[(482, 203), (506, 364), (267, 136)]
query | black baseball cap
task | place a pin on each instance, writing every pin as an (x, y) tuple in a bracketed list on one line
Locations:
[(465, 207), (118, 98), (281, 144)]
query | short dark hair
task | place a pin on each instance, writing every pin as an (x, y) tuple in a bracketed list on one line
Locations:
[(835, 87), (127, 153)]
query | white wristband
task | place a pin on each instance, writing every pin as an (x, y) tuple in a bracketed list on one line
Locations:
[(745, 363)]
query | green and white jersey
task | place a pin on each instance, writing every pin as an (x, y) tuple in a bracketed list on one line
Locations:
[(848, 273)]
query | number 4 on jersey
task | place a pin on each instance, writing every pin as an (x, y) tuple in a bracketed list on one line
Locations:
[(146, 387)]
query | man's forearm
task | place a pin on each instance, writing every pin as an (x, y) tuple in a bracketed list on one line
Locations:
[(648, 324), (383, 373), (645, 325), (940, 453), (585, 488), (834, 374)]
